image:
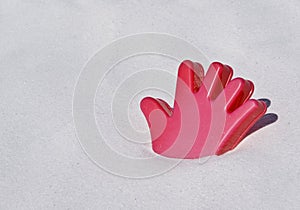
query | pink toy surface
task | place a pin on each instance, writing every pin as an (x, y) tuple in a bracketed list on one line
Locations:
[(211, 114)]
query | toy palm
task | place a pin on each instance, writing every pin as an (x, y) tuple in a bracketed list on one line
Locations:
[(211, 114)]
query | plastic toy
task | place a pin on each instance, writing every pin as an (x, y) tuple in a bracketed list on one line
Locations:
[(210, 116)]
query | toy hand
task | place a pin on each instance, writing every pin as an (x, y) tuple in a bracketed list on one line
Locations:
[(211, 114)]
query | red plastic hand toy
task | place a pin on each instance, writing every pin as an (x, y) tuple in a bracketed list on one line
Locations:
[(211, 114)]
